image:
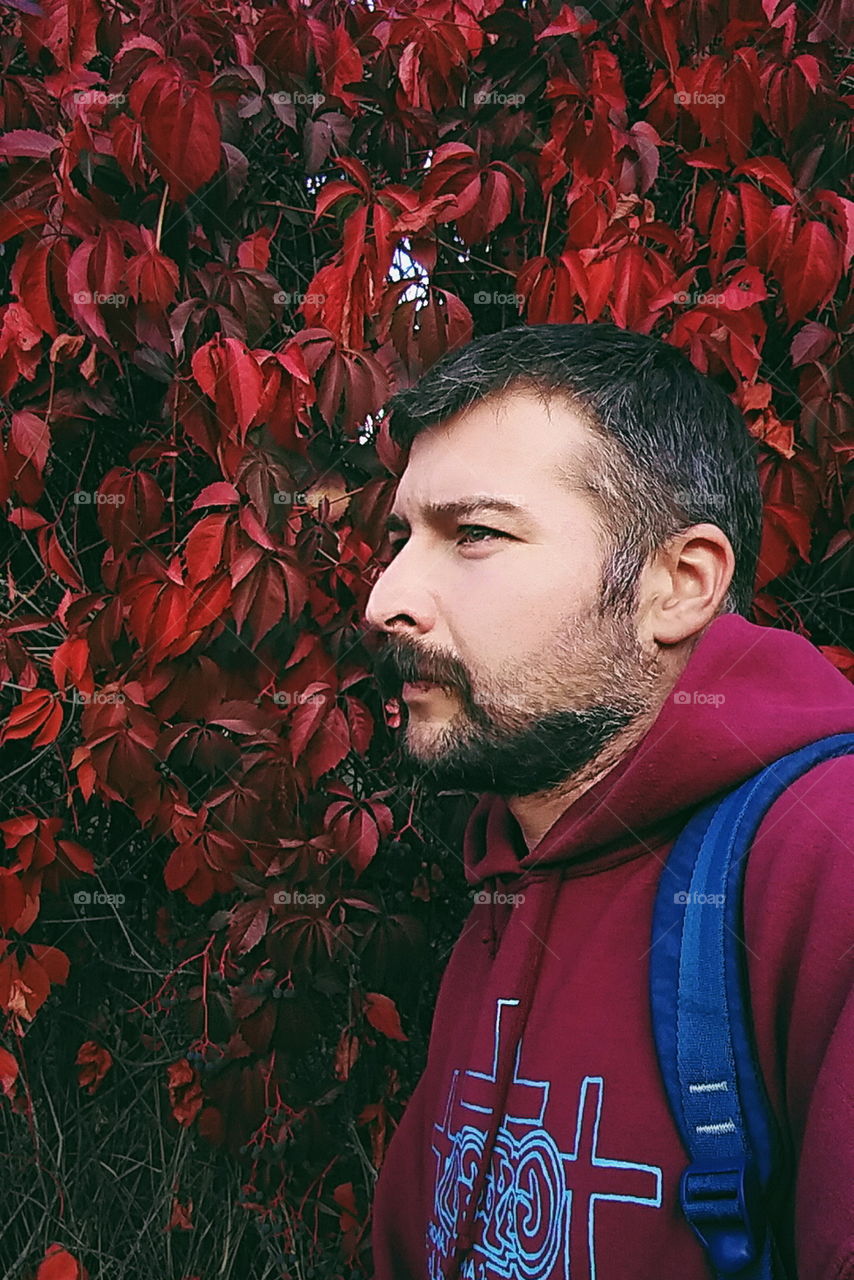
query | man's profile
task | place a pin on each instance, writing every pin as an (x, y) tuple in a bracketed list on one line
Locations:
[(574, 546)]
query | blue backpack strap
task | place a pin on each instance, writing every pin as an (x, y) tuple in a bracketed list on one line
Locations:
[(702, 1024)]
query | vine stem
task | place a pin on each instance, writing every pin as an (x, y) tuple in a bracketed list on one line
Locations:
[(159, 229), (546, 222)]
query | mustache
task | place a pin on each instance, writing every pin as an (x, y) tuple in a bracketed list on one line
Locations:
[(397, 664)]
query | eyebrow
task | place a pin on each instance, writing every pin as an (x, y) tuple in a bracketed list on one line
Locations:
[(437, 512)]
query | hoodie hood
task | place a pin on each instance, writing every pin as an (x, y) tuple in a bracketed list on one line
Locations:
[(747, 696)]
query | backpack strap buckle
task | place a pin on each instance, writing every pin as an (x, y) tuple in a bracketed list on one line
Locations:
[(722, 1201)]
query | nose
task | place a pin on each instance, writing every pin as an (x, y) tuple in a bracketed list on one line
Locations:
[(401, 600)]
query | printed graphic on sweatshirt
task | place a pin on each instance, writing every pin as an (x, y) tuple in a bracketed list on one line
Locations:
[(538, 1209)]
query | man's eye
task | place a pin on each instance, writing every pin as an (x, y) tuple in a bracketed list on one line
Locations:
[(481, 528), (399, 543)]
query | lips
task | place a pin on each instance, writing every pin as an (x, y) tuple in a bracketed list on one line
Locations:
[(418, 686)]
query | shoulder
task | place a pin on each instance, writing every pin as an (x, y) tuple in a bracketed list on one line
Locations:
[(805, 841), (799, 927), (799, 901)]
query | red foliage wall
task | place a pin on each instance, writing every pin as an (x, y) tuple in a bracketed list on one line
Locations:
[(228, 233)]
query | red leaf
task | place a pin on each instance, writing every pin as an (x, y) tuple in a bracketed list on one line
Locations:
[(182, 866), (344, 1196), (152, 277), (204, 545), (771, 171), (31, 438), (68, 29), (260, 598), (15, 221), (27, 142), (25, 517), (229, 373), (810, 343), (364, 840), (305, 722), (180, 126), (248, 925), (216, 495), (14, 829), (778, 236), (31, 989), (810, 69), (811, 270), (330, 193), (8, 1072), (381, 1012), (346, 1055), (12, 899), (568, 23), (29, 281), (54, 962), (786, 536), (38, 712), (633, 288), (83, 309), (724, 228), (94, 1062), (744, 289), (842, 659), (58, 561), (361, 724), (78, 856), (58, 1264), (185, 1094), (253, 253), (182, 1216)]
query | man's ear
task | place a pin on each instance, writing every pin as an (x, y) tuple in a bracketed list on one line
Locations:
[(683, 585)]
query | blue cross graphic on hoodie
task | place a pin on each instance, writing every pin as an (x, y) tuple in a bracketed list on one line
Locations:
[(531, 1227)]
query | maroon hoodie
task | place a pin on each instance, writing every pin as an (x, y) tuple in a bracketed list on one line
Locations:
[(538, 1144)]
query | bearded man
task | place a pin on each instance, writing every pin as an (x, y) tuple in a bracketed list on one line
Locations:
[(574, 545)]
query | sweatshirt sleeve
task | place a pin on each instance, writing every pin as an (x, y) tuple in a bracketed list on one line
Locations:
[(799, 930)]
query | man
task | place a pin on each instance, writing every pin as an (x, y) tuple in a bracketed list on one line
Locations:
[(574, 540)]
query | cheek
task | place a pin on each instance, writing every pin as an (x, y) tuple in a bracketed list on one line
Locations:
[(505, 619), (527, 588), (539, 589)]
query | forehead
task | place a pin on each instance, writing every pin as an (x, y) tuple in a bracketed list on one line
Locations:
[(515, 447)]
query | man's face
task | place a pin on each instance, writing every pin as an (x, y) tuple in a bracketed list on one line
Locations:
[(505, 615)]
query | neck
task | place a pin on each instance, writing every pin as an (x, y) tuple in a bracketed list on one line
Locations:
[(538, 812)]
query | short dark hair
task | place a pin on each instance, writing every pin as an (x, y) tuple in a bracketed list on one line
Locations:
[(671, 448)]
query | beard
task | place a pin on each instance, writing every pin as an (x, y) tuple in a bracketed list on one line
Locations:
[(535, 731)]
